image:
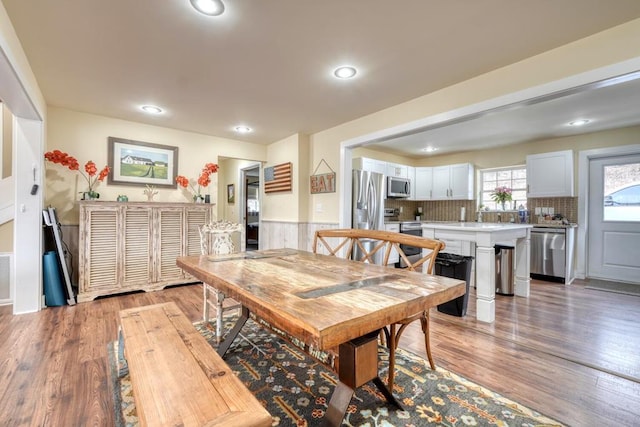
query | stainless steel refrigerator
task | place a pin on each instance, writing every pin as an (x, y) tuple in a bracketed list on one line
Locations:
[(368, 203)]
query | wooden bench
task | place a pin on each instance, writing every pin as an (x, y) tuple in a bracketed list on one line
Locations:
[(178, 379), (356, 244)]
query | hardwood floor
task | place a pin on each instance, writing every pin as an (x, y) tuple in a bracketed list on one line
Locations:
[(568, 352)]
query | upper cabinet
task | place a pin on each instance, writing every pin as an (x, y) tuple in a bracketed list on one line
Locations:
[(550, 174), (397, 170), (453, 182), (423, 184), (371, 165), (411, 175)]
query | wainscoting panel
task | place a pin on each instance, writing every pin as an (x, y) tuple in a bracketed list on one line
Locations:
[(280, 234)]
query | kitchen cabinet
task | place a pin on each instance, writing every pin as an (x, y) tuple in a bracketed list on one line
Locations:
[(397, 170), (133, 246), (394, 257), (453, 182), (411, 175), (371, 165), (550, 174), (423, 183)]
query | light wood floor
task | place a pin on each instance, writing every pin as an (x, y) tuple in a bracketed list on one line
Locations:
[(569, 352)]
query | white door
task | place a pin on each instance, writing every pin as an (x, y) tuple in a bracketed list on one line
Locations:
[(614, 219)]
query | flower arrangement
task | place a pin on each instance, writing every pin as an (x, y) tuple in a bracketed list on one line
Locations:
[(203, 180), (501, 195), (64, 159)]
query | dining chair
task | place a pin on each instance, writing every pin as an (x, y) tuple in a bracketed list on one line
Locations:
[(355, 244), (216, 239)]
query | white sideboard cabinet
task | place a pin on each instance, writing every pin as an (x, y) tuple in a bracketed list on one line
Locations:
[(133, 246)]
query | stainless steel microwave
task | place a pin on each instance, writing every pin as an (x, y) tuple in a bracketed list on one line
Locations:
[(398, 188)]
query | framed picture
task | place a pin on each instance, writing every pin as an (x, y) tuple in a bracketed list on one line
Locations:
[(142, 163), (231, 196)]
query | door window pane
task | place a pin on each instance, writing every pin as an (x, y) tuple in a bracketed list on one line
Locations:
[(622, 192)]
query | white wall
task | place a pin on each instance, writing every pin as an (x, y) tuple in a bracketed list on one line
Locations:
[(20, 92)]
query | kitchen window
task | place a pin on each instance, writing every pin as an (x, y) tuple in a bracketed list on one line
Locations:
[(513, 177)]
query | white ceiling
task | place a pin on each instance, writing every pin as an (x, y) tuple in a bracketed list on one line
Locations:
[(609, 104), (268, 63)]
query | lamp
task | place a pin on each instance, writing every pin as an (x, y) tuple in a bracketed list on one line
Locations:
[(208, 7)]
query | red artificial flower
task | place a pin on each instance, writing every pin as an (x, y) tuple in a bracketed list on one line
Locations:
[(204, 179), (64, 159)]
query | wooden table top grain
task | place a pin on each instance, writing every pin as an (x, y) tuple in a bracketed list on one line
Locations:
[(323, 300)]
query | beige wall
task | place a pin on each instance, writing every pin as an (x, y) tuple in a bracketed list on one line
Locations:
[(609, 47), (286, 206), (230, 174), (84, 136), (516, 154), (6, 237)]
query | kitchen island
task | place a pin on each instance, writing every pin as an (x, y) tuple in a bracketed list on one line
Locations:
[(486, 236)]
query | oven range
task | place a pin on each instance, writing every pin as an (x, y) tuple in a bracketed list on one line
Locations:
[(415, 229)]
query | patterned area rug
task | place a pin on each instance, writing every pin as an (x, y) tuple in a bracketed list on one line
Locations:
[(296, 389)]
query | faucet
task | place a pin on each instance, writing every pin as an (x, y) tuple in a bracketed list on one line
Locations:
[(512, 218), (479, 217), (499, 217)]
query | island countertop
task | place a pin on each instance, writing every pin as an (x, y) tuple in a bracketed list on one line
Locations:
[(476, 226)]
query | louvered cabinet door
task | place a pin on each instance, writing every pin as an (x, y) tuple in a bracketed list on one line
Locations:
[(169, 236), (98, 261), (196, 217), (137, 250)]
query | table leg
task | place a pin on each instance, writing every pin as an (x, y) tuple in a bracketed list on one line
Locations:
[(233, 333), (358, 365)]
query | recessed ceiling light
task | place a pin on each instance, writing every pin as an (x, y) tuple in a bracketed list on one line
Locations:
[(151, 109), (242, 129), (208, 7), (429, 149), (345, 72), (579, 122)]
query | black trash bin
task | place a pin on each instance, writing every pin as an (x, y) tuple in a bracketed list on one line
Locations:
[(456, 267)]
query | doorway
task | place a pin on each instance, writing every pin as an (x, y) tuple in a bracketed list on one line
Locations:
[(614, 218), (251, 183)]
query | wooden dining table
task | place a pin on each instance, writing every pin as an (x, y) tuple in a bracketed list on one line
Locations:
[(329, 303)]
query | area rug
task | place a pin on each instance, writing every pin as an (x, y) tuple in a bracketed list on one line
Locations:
[(296, 388), (617, 287)]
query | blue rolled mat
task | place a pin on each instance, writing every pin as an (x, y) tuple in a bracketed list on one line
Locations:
[(53, 291)]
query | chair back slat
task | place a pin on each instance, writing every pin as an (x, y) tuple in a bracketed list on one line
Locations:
[(385, 240)]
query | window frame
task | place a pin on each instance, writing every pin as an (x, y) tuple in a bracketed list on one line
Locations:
[(485, 202)]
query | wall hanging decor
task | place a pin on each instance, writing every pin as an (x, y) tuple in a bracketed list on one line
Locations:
[(231, 195), (142, 163), (278, 178), (324, 182)]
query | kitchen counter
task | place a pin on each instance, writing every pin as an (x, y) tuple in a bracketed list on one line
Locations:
[(486, 236), (555, 225)]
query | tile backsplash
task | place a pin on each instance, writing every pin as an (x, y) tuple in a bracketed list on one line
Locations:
[(449, 210)]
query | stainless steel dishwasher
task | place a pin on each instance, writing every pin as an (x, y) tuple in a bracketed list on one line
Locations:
[(552, 254)]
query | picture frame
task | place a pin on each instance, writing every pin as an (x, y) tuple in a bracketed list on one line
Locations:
[(140, 163), (231, 196)]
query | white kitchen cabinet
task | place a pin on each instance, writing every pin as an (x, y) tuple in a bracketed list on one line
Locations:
[(371, 165), (550, 174), (411, 175), (453, 182), (393, 256), (397, 170), (423, 184)]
